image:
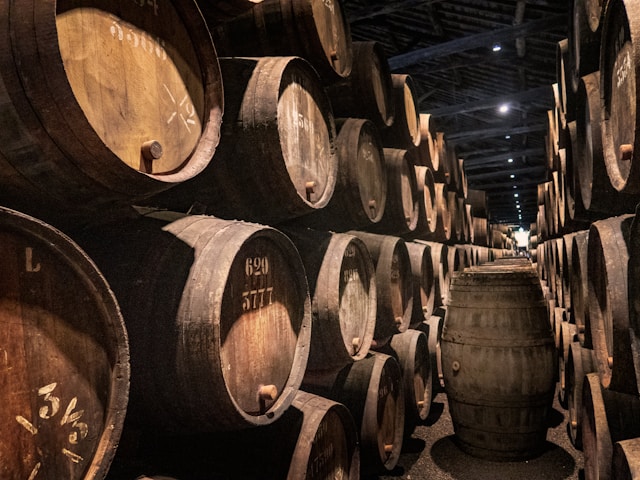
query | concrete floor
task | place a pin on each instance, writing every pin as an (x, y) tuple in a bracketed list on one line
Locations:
[(431, 454)]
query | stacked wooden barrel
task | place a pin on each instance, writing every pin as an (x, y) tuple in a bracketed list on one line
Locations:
[(587, 213), (212, 274)]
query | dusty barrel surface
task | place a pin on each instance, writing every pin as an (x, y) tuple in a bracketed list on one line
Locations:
[(277, 158), (342, 285), (64, 355), (368, 91), (316, 31), (132, 104), (579, 284), (205, 294), (618, 70), (360, 194), (498, 362), (394, 283)]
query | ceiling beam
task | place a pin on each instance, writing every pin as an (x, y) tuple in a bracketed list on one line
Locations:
[(368, 13), (471, 42), (472, 178), (487, 187), (460, 137), (542, 95), (476, 163)]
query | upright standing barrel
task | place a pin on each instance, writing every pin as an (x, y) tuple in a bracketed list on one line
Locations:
[(498, 362), (132, 102), (219, 319), (64, 356)]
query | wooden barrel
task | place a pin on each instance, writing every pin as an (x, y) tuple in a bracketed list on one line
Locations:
[(64, 356), (360, 193), (423, 282), (444, 225), (618, 70), (564, 67), (596, 191), (88, 137), (401, 211), (276, 159), (316, 31), (579, 364), (432, 328), (427, 214), (439, 253), (607, 417), (342, 285), (404, 132), (567, 273), (584, 40), (633, 279), (372, 390), (411, 349), (428, 154), (579, 285), (626, 459), (368, 91), (456, 217), (608, 320), (498, 362), (219, 11), (442, 174), (197, 293), (394, 283)]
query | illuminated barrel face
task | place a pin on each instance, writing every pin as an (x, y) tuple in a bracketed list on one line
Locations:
[(136, 75)]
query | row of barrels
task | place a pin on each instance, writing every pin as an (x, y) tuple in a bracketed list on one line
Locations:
[(277, 158), (190, 324), (590, 280), (591, 145)]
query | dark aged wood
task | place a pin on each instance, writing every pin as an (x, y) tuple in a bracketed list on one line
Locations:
[(618, 71), (368, 91), (316, 31), (64, 356), (371, 389), (427, 214), (117, 77), (608, 319), (219, 319), (423, 282)]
